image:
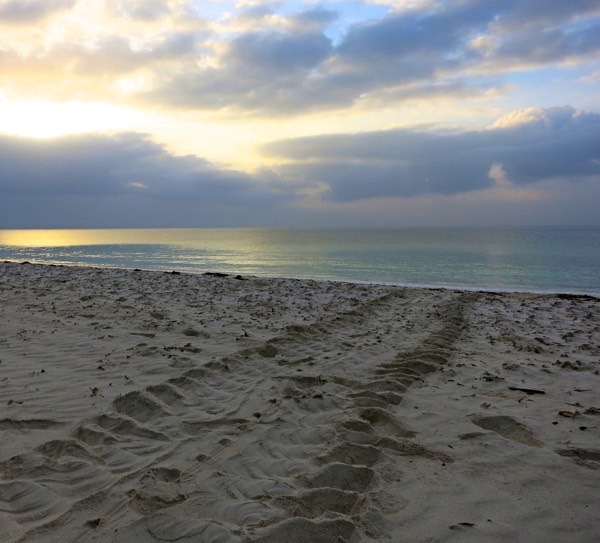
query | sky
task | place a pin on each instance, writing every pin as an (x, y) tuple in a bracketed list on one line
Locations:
[(299, 113)]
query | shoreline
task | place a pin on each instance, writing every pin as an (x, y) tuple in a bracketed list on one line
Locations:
[(152, 406), (483, 290)]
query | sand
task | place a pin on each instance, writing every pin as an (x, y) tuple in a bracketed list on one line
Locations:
[(144, 406)]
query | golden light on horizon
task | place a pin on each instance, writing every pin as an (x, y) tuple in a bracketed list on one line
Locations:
[(43, 238), (74, 237)]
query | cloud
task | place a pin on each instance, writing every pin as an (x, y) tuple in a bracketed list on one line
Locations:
[(591, 78), (312, 20), (413, 34), (277, 54), (265, 59), (256, 72), (527, 147), (129, 171), (550, 143), (529, 163), (145, 10), (92, 69), (531, 14), (550, 45), (31, 11), (428, 48)]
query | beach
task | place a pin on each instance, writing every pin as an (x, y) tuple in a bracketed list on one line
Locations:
[(162, 406)]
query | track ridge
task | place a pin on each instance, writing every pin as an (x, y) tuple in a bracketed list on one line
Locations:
[(348, 482)]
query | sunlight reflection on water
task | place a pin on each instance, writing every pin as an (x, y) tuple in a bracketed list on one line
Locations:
[(534, 259)]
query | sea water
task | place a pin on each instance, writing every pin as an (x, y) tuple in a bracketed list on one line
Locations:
[(534, 259)]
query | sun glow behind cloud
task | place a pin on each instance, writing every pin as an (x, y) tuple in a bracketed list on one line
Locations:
[(41, 119)]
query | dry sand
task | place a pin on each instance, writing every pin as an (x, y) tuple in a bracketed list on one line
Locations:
[(150, 407)]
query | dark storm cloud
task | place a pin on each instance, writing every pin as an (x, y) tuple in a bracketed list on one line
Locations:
[(128, 171), (532, 146), (30, 11)]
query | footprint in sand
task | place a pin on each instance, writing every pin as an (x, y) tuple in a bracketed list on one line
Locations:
[(352, 453), (509, 428), (343, 477), (316, 502), (588, 458), (299, 530)]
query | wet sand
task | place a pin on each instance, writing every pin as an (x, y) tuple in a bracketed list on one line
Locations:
[(149, 406)]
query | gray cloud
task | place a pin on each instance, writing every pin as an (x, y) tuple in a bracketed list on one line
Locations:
[(522, 15), (312, 20), (553, 143), (550, 45), (259, 71), (415, 34), (277, 54), (31, 11), (266, 16), (144, 10), (287, 65), (532, 146), (126, 180), (95, 175), (290, 72)]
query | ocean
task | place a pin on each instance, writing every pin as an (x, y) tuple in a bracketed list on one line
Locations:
[(533, 259)]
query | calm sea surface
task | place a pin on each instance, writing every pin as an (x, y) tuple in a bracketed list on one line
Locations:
[(549, 259)]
